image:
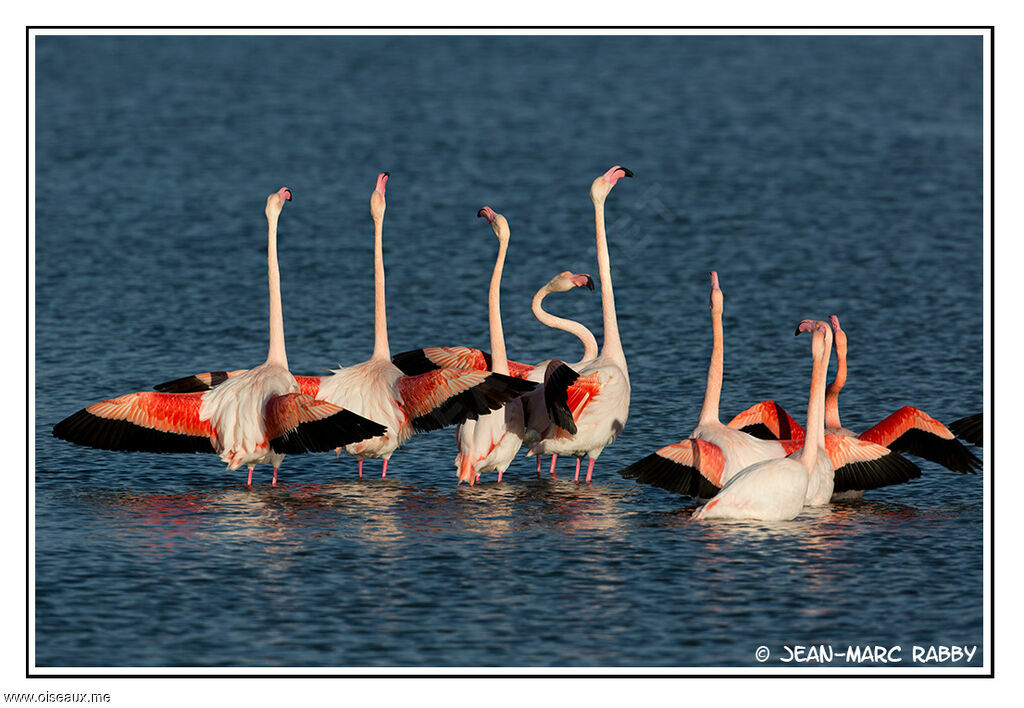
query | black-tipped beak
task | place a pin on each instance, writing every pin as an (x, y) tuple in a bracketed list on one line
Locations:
[(387, 174), (626, 172), (482, 214), (797, 332), (590, 283)]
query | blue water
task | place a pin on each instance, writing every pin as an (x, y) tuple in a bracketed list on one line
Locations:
[(818, 175)]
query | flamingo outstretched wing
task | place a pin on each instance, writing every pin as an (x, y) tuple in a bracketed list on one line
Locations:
[(692, 467), (297, 423), (971, 429), (863, 465), (419, 361), (442, 397), (197, 382), (768, 421), (140, 422), (913, 431), (558, 378)]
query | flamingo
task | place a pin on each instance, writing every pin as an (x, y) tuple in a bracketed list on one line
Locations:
[(700, 465), (599, 398), (714, 453), (491, 442), (908, 430), (254, 417), (776, 489), (544, 404)]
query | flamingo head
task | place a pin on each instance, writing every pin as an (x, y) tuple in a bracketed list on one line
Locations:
[(275, 202), (603, 184), (567, 281), (377, 203), (717, 299), (839, 336), (821, 345), (497, 222)]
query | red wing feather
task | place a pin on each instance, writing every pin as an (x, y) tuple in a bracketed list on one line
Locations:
[(913, 431), (692, 467), (768, 420), (582, 392), (444, 397), (297, 423)]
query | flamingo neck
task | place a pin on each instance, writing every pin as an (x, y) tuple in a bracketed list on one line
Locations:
[(815, 436), (276, 354), (832, 394), (381, 350), (612, 344), (585, 336), (713, 389), (499, 360)]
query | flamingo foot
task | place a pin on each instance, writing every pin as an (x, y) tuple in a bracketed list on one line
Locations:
[(577, 477), (554, 475), (273, 482), (384, 474), (590, 469), (360, 469), (249, 481)]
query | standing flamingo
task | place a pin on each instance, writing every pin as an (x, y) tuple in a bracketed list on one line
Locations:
[(253, 417), (599, 398), (714, 453), (546, 403), (908, 430), (775, 489), (378, 389), (491, 442)]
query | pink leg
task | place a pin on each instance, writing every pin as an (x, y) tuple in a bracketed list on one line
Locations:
[(499, 475), (384, 474), (360, 469), (554, 458), (577, 477), (590, 469), (274, 482), (249, 483), (538, 466)]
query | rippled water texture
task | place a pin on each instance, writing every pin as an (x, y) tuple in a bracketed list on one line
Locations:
[(818, 175)]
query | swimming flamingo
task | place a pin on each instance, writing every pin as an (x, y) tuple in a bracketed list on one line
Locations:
[(599, 398), (254, 417), (714, 453), (775, 489), (491, 442), (908, 430)]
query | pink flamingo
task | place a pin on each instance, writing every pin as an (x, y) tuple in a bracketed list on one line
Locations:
[(379, 390), (714, 453), (599, 398), (776, 489), (491, 442), (546, 403), (254, 417), (909, 429)]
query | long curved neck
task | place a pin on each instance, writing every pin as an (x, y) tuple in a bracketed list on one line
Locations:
[(815, 412), (499, 361), (612, 344), (381, 350), (832, 394), (585, 336), (713, 388), (276, 353)]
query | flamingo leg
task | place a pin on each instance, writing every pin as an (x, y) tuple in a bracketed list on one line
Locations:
[(384, 474), (538, 466), (553, 474), (273, 482), (360, 469), (249, 482), (590, 469), (500, 472), (577, 477)]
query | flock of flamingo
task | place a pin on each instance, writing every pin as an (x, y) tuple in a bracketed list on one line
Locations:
[(762, 465)]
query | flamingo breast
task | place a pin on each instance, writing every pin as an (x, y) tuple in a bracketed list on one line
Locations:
[(370, 389)]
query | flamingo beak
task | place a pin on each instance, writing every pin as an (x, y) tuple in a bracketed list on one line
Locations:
[(581, 280), (487, 213)]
